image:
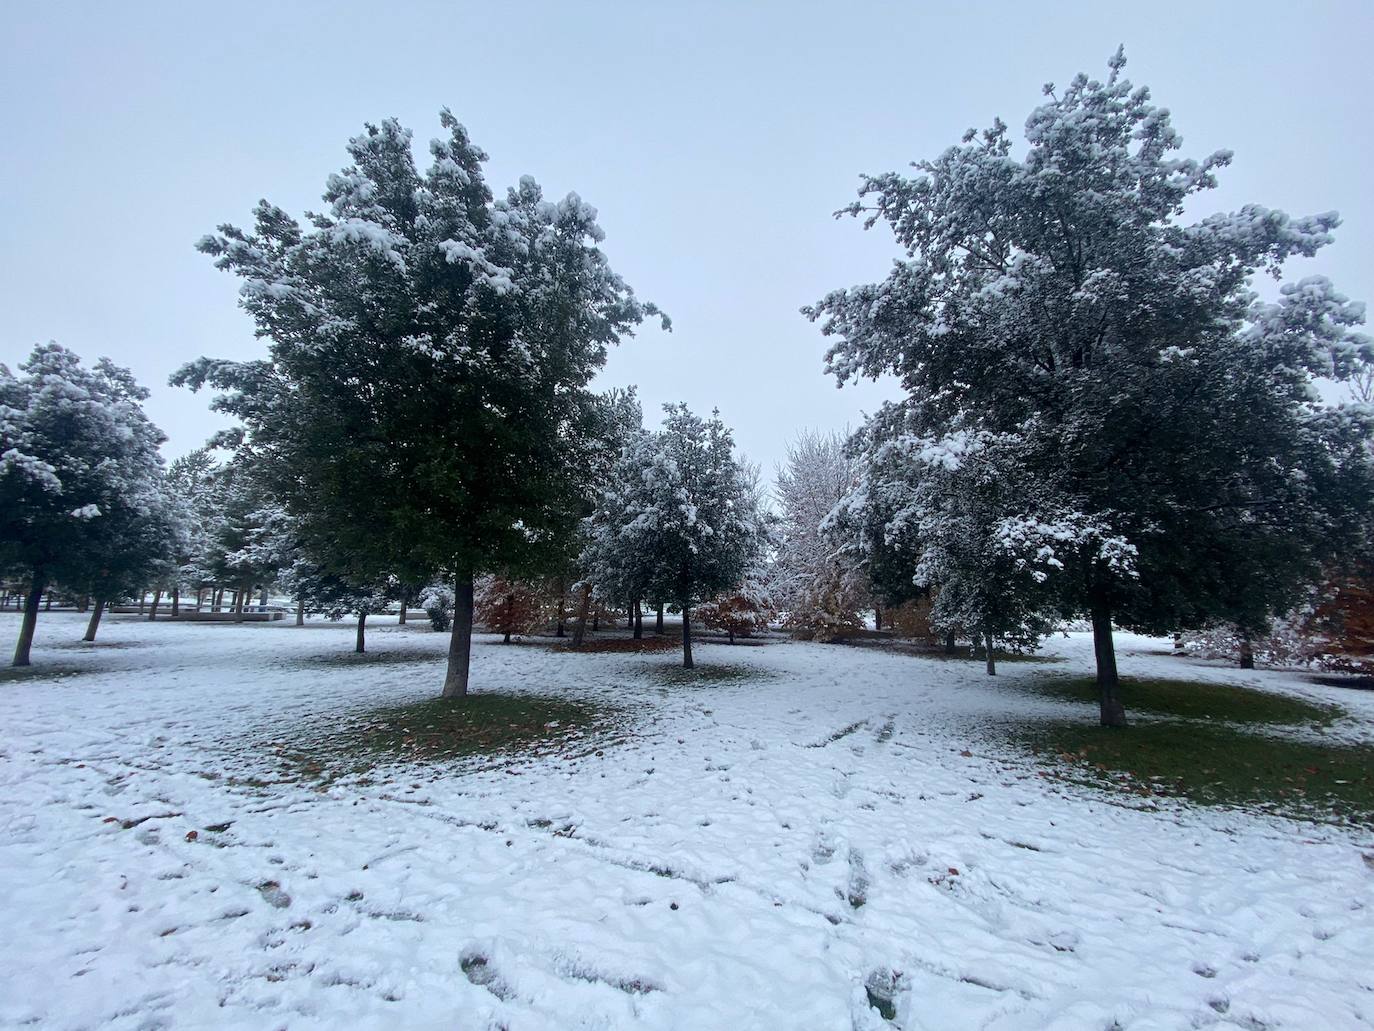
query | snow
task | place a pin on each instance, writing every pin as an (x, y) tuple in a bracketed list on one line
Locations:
[(540, 893)]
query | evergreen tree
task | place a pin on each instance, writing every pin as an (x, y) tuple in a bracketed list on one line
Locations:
[(79, 474), (430, 351), (679, 519), (1183, 467)]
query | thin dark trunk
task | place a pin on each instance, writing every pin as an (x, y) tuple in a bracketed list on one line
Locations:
[(1247, 653), (949, 644), (142, 600), (152, 609), (47, 603), (877, 617), (94, 624), (731, 633), (506, 639), (460, 640), (176, 599), (561, 590), (25, 643), (200, 595), (686, 636), (658, 621), (1113, 713), (638, 617), (300, 612), (359, 647), (401, 619), (596, 620), (263, 600), (580, 632), (987, 646), (240, 596)]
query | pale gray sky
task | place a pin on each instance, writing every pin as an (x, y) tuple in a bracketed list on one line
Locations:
[(715, 138)]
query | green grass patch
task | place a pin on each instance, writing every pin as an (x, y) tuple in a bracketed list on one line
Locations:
[(1212, 764), (1193, 699), (706, 673), (443, 729)]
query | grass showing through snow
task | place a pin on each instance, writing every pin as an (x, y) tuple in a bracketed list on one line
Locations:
[(1203, 742)]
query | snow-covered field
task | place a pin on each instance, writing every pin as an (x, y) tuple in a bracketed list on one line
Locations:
[(753, 856)]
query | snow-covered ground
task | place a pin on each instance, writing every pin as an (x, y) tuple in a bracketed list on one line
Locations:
[(753, 856)]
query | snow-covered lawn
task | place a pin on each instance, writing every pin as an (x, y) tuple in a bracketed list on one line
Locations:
[(760, 852)]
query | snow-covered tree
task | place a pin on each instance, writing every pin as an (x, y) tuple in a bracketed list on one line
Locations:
[(817, 581), (1057, 302), (679, 519), (430, 350), (79, 475)]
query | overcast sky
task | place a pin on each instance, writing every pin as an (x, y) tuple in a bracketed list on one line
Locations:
[(716, 140)]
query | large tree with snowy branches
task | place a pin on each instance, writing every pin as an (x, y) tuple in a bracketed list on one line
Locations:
[(81, 498), (430, 350), (1054, 304)]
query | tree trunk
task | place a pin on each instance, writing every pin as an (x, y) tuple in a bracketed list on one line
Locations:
[(596, 620), (1113, 713), (638, 616), (142, 599), (877, 617), (94, 624), (1178, 644), (300, 612), (263, 601), (987, 647), (561, 589), (686, 636), (731, 633), (460, 640), (21, 649), (1247, 653), (152, 609), (47, 603), (362, 627), (176, 599), (200, 595), (580, 633), (658, 621), (949, 644), (240, 596), (506, 639), (401, 619)]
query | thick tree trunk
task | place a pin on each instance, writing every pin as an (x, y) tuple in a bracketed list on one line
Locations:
[(94, 624), (25, 642), (987, 647), (240, 596), (460, 640), (300, 612), (1113, 713), (686, 636), (638, 620), (401, 619), (359, 647), (580, 633), (176, 599), (263, 600), (152, 609), (949, 644), (658, 621), (1247, 653)]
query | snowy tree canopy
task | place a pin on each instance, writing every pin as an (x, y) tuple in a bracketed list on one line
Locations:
[(1054, 306), (430, 350)]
